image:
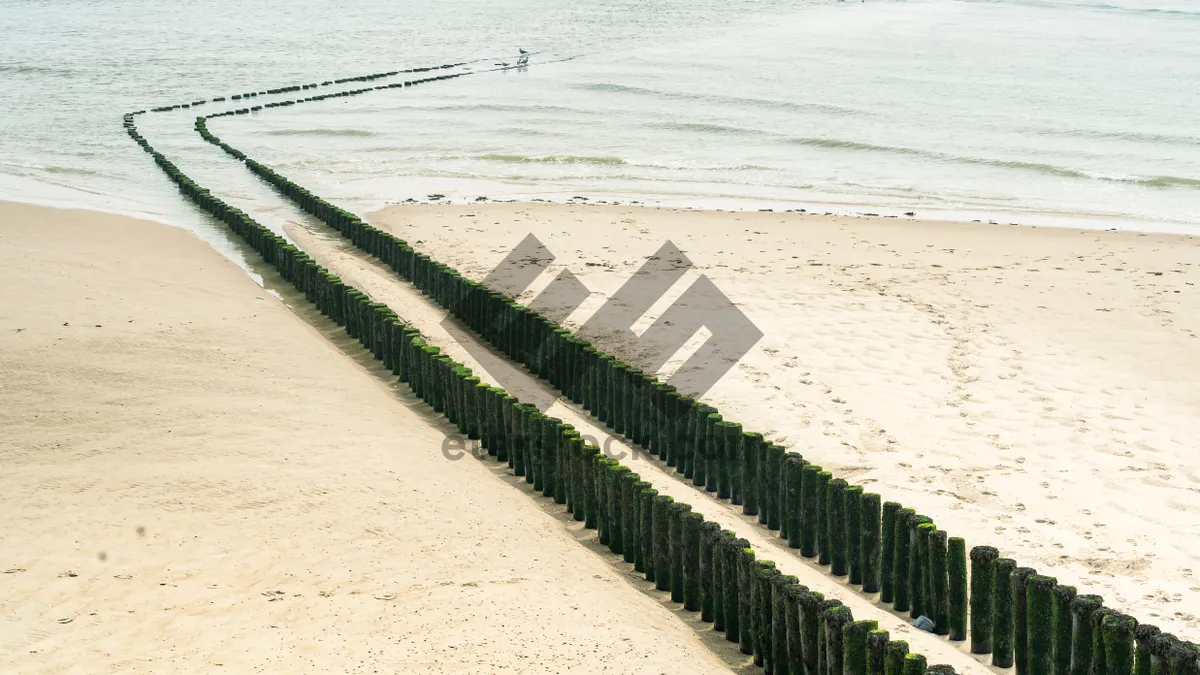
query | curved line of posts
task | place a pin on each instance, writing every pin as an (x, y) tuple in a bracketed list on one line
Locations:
[(303, 87), (885, 548), (1021, 618), (1024, 620), (787, 627)]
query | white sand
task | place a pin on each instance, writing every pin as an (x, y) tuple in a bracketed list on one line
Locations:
[(1032, 389), (196, 480)]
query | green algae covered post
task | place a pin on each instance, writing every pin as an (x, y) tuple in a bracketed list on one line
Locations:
[(709, 539), (957, 586), (599, 501), (836, 511), (642, 547), (1062, 626), (1144, 661), (808, 510), (761, 601), (618, 509), (871, 542), (1185, 657), (893, 663), (855, 654), (580, 458), (698, 438), (877, 648), (662, 546), (731, 601), (901, 560), (724, 448), (916, 565), (1099, 653), (734, 587), (589, 468), (810, 610), (1039, 617), (746, 620), (551, 432), (1020, 606), (1161, 647), (772, 486), (692, 585), (854, 495), (1119, 632), (1002, 614), (677, 514), (939, 588), (914, 664), (714, 449), (923, 586), (646, 531), (722, 541), (731, 460), (837, 620), (1081, 634), (752, 475), (983, 592), (824, 548), (795, 629), (629, 521), (793, 473), (780, 660), (887, 555)]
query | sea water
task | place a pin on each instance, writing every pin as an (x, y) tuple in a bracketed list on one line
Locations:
[(1031, 111)]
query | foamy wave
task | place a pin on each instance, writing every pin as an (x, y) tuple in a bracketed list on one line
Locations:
[(321, 132), (1158, 181), (51, 168), (1034, 167), (710, 98), (554, 159)]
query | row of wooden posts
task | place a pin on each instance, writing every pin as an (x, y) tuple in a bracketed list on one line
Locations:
[(883, 547), (786, 627), (302, 87)]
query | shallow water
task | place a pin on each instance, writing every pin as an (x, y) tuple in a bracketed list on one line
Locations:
[(1015, 110)]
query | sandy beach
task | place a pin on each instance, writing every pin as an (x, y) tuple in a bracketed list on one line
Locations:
[(197, 479), (1028, 388), (201, 475)]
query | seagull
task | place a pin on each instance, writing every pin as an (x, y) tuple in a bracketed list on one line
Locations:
[(522, 50)]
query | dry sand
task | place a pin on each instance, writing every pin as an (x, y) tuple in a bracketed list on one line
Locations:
[(1029, 388), (195, 479)]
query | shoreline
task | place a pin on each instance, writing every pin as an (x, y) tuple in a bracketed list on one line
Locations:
[(506, 193), (743, 204)]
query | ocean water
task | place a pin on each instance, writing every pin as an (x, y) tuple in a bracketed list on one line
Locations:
[(1031, 111)]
